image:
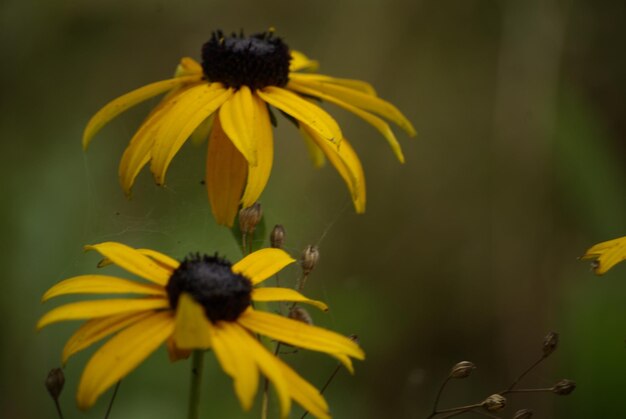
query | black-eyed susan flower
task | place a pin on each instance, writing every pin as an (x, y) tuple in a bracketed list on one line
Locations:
[(202, 302), (228, 99), (607, 254)]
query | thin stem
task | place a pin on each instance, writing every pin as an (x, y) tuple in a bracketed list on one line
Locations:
[(436, 404), (244, 246), (460, 409), (196, 381), (58, 406), (522, 375), (117, 387), (325, 386), (531, 390)]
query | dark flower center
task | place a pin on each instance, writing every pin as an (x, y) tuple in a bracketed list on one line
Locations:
[(212, 283), (256, 61)]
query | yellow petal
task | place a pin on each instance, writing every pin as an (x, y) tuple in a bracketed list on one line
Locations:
[(133, 261), (237, 361), (269, 365), (100, 308), (240, 117), (299, 334), (607, 254), (138, 152), (192, 107), (347, 163), (359, 85), (100, 284), (94, 330), (259, 174), (260, 265), (284, 294), (345, 360), (124, 102), (307, 113), (364, 101), (201, 134), (315, 153), (192, 329), (371, 119), (304, 393), (225, 176), (188, 67), (299, 61), (160, 258), (120, 355)]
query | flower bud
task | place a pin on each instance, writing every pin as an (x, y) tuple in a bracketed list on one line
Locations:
[(54, 382), (462, 369), (277, 236), (494, 403), (550, 343), (309, 259), (564, 387), (301, 315), (250, 217), (523, 414)]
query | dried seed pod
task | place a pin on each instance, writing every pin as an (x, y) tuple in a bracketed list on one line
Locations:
[(309, 259), (462, 369), (550, 343), (55, 382), (301, 315), (523, 414), (564, 387), (250, 217), (494, 403), (277, 236)]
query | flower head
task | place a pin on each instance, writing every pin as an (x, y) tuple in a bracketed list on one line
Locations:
[(227, 98), (607, 254), (202, 302)]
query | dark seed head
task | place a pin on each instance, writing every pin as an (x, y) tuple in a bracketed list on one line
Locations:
[(212, 283), (256, 61), (55, 382)]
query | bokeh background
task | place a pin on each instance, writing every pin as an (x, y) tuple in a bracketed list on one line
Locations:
[(466, 252)]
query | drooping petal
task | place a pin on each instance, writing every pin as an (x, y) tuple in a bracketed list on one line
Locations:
[(240, 117), (359, 85), (259, 174), (362, 100), (345, 360), (299, 334), (192, 329), (315, 153), (101, 284), (226, 172), (268, 364), (121, 354), (133, 261), (307, 113), (138, 152), (100, 308), (284, 294), (188, 67), (607, 254), (237, 361), (347, 163), (260, 265), (124, 102), (174, 353), (94, 330), (192, 107), (299, 62), (371, 119), (304, 393)]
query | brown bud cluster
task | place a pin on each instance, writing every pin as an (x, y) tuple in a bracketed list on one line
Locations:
[(277, 237), (550, 343), (462, 369), (494, 403), (250, 217), (564, 387), (523, 414), (55, 382), (301, 315), (309, 259)]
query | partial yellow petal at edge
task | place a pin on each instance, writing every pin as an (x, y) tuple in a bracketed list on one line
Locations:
[(262, 264), (121, 354), (304, 393), (101, 284), (300, 62), (284, 294), (607, 254)]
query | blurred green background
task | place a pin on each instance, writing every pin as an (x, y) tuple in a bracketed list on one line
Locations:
[(466, 252)]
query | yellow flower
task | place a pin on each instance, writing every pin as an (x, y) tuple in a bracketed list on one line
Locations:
[(606, 254), (227, 98), (202, 302)]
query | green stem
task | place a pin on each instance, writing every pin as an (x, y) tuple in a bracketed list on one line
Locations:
[(196, 381)]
